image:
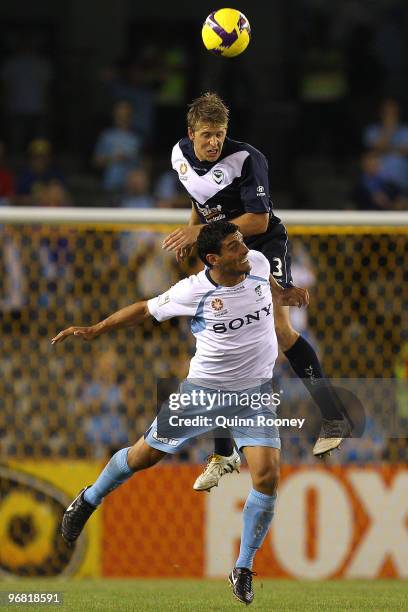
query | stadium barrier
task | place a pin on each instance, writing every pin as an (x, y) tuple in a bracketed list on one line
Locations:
[(329, 523), (64, 409), (338, 522)]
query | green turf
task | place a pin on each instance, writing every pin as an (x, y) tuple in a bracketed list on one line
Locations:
[(214, 595)]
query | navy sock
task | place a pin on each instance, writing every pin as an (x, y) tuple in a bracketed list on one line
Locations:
[(303, 359), (223, 446), (114, 474)]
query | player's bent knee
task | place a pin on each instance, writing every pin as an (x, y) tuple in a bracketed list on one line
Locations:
[(266, 479)]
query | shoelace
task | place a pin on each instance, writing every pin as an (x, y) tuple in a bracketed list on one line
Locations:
[(246, 576)]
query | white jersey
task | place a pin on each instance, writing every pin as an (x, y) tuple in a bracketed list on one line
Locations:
[(234, 328)]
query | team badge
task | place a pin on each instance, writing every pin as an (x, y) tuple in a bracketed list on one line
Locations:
[(183, 168), (218, 175), (258, 290), (217, 304)]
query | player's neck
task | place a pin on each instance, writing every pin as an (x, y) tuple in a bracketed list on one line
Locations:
[(226, 280)]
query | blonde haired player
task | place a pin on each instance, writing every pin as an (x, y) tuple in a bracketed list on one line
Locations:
[(227, 179)]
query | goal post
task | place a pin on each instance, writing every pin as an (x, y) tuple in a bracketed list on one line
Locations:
[(24, 214)]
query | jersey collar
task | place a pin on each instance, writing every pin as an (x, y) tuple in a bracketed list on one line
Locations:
[(207, 273)]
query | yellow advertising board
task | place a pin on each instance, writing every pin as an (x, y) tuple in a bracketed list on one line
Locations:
[(33, 496)]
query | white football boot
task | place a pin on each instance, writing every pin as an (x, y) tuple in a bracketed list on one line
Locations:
[(332, 434), (216, 467)]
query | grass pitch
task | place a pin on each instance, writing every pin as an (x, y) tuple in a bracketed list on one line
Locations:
[(212, 595)]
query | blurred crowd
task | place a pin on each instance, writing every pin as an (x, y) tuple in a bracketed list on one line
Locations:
[(351, 113), (123, 171), (119, 168), (75, 134)]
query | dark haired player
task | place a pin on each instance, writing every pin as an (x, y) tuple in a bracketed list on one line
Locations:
[(226, 179), (237, 278)]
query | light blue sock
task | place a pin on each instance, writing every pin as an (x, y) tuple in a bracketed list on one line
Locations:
[(258, 514), (114, 474)]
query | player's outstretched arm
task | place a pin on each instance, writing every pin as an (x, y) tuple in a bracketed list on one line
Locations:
[(291, 296), (126, 317)]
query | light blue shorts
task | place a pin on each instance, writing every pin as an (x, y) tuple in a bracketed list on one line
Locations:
[(246, 415)]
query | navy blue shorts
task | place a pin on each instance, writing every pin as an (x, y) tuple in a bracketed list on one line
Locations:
[(275, 246)]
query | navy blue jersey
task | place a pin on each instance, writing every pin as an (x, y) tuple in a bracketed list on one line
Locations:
[(235, 184)]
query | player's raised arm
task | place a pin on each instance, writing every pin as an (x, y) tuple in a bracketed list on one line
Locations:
[(126, 317)]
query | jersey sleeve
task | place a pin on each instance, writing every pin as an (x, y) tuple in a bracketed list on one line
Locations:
[(181, 300), (254, 189)]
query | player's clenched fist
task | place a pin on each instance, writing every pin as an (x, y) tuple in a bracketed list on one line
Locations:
[(294, 296), (86, 333)]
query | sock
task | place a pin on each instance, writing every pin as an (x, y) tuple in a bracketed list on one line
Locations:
[(114, 474), (223, 446), (304, 361), (257, 514)]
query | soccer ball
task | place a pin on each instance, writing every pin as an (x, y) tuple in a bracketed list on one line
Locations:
[(226, 32)]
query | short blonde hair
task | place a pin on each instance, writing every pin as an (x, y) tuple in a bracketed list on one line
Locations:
[(208, 108)]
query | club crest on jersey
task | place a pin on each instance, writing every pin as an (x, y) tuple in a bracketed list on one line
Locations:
[(258, 290), (217, 304), (183, 171), (218, 175)]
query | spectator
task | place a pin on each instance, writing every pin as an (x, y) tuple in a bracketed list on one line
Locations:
[(118, 149), (373, 191), (137, 195), (389, 138), (6, 178), (53, 195), (101, 407), (169, 192), (26, 76), (13, 293), (129, 82), (137, 190), (39, 172)]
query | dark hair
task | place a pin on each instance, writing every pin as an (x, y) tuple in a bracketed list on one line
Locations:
[(211, 236), (208, 108)]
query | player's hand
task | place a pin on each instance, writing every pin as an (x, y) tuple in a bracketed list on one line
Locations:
[(183, 253), (294, 296), (181, 237), (86, 333)]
